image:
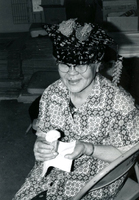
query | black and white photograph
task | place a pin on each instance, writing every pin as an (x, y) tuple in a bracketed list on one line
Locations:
[(69, 99)]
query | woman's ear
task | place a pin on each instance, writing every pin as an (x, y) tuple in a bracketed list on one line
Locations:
[(98, 66)]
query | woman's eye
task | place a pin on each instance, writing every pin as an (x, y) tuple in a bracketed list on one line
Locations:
[(63, 65)]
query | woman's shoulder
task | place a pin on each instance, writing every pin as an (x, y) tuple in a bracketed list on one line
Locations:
[(116, 88), (118, 92), (56, 87)]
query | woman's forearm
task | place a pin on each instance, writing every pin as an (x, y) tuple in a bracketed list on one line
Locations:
[(103, 152), (106, 153)]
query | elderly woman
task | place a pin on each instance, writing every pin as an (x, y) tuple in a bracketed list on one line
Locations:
[(93, 115)]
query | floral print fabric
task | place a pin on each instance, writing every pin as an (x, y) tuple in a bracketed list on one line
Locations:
[(79, 43), (108, 117)]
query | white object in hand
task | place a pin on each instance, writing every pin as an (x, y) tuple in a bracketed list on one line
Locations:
[(63, 148), (52, 136)]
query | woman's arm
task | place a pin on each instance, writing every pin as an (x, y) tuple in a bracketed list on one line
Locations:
[(105, 153)]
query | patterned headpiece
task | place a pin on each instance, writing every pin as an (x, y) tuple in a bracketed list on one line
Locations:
[(78, 43)]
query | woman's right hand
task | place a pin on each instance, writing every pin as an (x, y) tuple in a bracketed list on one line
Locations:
[(43, 151)]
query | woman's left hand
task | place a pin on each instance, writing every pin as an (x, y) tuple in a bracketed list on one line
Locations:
[(80, 149)]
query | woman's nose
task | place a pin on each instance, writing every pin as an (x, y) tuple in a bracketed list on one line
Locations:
[(72, 70)]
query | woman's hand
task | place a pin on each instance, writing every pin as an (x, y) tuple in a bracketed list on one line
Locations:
[(106, 153), (43, 151), (80, 149)]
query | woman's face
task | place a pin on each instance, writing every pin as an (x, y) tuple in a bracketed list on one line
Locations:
[(79, 82)]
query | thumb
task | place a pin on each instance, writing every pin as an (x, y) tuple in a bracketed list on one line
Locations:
[(74, 155), (71, 156), (78, 151)]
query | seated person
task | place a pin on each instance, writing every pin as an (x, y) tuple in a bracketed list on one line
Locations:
[(86, 108)]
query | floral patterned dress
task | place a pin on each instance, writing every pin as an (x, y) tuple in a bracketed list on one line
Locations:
[(108, 117)]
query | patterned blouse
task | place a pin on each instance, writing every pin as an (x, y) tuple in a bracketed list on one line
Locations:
[(108, 117)]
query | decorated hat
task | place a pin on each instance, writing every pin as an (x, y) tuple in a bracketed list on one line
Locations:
[(78, 43), (81, 43)]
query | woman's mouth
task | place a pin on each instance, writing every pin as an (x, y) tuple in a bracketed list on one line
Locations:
[(74, 82)]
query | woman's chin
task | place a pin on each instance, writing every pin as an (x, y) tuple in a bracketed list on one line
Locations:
[(75, 88)]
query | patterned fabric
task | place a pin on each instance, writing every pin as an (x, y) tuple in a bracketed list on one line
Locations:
[(108, 117), (78, 43), (84, 43)]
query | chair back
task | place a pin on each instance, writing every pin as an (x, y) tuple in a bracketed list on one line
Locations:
[(112, 172)]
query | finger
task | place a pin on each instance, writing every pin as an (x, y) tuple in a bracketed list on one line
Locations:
[(41, 157), (44, 151), (42, 147)]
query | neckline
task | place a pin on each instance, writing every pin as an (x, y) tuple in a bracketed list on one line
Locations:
[(72, 106)]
